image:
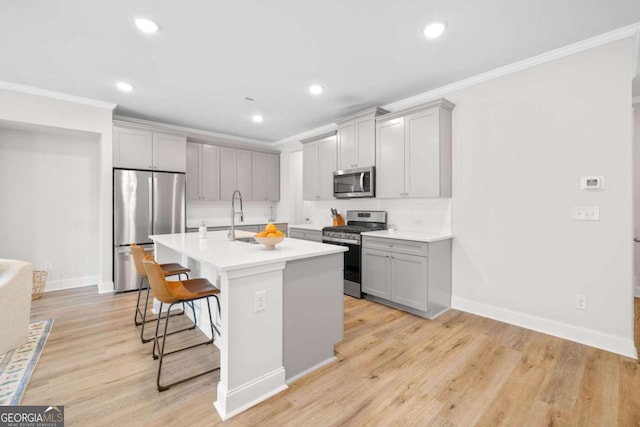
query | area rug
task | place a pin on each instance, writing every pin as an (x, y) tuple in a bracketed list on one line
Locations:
[(17, 365)]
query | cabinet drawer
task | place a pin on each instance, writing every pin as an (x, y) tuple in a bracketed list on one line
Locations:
[(297, 233), (394, 245)]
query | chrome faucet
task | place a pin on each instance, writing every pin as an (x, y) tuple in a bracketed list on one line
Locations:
[(232, 232)]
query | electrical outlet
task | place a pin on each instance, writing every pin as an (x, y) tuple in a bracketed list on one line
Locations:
[(260, 301), (581, 302)]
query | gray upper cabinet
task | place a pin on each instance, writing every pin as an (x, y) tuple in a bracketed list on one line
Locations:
[(244, 174), (413, 152), (265, 176), (142, 149), (235, 173), (356, 139), (203, 172), (318, 165)]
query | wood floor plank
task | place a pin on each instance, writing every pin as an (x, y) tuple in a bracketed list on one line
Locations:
[(392, 369)]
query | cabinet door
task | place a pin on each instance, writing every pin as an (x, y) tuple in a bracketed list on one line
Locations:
[(375, 273), (169, 153), (346, 145), (422, 155), (272, 177), (132, 149), (258, 175), (210, 172), (194, 177), (366, 142), (227, 172), (327, 154), (310, 164), (409, 285), (390, 159), (243, 174)]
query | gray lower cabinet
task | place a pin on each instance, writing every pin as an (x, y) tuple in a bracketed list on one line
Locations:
[(305, 234), (411, 276)]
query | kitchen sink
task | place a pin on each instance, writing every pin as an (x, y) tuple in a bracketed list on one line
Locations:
[(247, 240)]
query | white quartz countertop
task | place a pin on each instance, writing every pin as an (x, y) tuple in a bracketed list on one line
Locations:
[(226, 222), (313, 227), (224, 254), (416, 236)]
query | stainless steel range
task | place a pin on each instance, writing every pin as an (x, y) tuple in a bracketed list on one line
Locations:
[(349, 235)]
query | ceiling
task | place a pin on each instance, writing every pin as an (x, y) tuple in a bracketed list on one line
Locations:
[(209, 55)]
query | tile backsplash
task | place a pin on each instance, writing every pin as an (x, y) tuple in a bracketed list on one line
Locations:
[(215, 212), (428, 215)]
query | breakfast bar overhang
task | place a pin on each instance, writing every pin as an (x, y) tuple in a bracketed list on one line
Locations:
[(281, 310)]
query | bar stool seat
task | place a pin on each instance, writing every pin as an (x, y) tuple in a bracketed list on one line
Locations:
[(173, 269), (169, 269), (176, 292)]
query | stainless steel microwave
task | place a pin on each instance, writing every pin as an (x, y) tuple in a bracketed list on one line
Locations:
[(352, 183)]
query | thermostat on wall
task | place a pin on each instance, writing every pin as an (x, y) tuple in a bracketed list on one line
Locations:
[(592, 182)]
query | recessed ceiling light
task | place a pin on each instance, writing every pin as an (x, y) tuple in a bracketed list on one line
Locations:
[(434, 30), (124, 86), (257, 118), (146, 25), (315, 89)]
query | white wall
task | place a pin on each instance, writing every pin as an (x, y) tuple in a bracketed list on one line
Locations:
[(636, 194), (49, 110), (49, 186), (521, 144)]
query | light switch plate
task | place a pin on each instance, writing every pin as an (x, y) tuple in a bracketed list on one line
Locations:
[(586, 213)]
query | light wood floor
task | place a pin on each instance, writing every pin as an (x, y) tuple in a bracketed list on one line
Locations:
[(392, 369)]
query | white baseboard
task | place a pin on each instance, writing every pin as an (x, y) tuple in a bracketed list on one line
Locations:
[(106, 287), (74, 282), (593, 338), (232, 402)]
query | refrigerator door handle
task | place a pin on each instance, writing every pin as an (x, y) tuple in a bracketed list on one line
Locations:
[(151, 231)]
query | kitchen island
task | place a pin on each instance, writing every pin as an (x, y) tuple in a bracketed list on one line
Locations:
[(281, 310)]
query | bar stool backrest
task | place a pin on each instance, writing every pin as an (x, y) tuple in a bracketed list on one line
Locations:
[(158, 281), (138, 255)]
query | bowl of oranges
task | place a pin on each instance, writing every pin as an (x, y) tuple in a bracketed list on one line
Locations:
[(270, 236)]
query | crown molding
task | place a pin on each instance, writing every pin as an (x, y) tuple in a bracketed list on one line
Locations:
[(56, 95), (191, 133), (630, 31), (320, 130)]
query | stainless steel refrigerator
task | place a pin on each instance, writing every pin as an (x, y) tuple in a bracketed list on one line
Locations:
[(144, 203)]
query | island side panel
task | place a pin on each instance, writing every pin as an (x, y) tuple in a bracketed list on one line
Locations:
[(251, 367), (313, 312)]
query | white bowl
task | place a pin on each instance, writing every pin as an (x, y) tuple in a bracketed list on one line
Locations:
[(269, 242)]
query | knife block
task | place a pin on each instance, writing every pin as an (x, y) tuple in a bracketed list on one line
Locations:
[(338, 220)]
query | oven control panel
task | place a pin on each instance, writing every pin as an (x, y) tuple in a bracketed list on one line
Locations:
[(346, 237)]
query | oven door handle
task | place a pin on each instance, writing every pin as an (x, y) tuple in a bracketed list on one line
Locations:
[(330, 240)]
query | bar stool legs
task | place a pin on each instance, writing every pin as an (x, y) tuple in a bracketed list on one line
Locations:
[(145, 320), (161, 353)]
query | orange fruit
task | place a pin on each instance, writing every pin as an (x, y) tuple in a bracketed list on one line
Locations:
[(279, 233), (262, 234), (270, 228), (272, 235)]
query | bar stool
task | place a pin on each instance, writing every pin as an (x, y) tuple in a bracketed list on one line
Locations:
[(172, 269), (176, 292)]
